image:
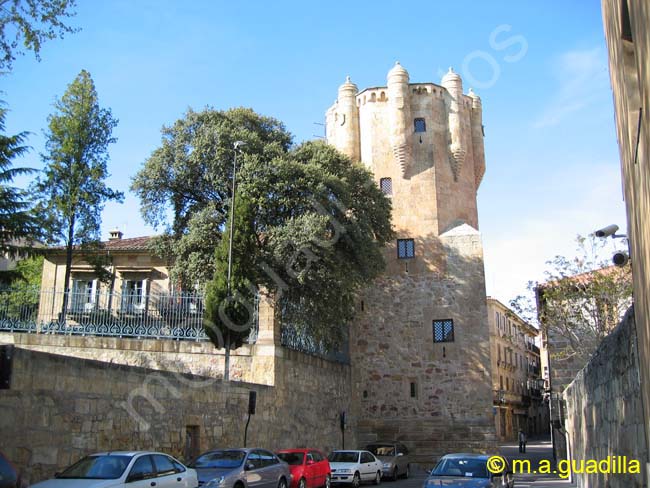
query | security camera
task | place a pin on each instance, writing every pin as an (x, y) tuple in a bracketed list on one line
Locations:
[(620, 259), (610, 230)]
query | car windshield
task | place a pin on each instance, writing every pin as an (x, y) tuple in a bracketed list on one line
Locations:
[(219, 459), (381, 449), (344, 457), (465, 467), (106, 467), (292, 458)]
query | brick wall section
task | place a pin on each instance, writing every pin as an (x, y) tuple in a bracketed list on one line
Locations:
[(604, 410), (62, 408)]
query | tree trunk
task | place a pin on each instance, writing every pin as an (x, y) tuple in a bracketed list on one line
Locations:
[(68, 271)]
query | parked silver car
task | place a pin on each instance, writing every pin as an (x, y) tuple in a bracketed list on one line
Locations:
[(241, 468), (394, 457), (124, 469)]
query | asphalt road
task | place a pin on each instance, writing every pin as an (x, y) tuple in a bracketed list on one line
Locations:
[(535, 452)]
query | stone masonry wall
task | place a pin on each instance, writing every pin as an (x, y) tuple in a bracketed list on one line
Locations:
[(61, 408), (393, 346), (252, 363), (604, 410), (200, 358)]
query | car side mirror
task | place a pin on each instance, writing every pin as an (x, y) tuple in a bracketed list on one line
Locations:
[(249, 467), (310, 462), (400, 454)]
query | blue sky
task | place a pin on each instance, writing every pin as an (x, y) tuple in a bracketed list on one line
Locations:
[(539, 67)]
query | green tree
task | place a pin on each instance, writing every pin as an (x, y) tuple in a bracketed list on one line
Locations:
[(318, 221), (72, 185), (581, 300), (27, 24), (230, 311), (19, 226)]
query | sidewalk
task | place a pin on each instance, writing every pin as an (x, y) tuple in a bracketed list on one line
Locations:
[(536, 451)]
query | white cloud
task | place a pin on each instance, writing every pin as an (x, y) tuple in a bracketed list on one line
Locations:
[(575, 200), (582, 79)]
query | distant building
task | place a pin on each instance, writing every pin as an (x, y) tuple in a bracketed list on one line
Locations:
[(132, 276), (516, 374), (566, 350)]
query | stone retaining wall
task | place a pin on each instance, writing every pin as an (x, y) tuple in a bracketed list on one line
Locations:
[(604, 410), (61, 408)]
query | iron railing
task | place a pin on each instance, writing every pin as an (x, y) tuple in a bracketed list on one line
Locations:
[(176, 316), (303, 341)]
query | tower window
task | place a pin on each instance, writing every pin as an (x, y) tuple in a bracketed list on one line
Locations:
[(443, 330), (386, 185), (405, 248), (414, 390), (626, 25), (420, 125)]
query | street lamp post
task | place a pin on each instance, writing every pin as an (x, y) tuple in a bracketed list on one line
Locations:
[(237, 147)]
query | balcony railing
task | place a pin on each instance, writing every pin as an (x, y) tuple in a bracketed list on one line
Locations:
[(178, 316)]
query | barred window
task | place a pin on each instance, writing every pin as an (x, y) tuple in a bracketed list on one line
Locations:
[(386, 185), (420, 125), (405, 248), (443, 330)]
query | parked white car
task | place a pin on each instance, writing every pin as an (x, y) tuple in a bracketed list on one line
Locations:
[(124, 469), (354, 467)]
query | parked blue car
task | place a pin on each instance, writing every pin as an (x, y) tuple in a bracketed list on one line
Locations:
[(467, 471)]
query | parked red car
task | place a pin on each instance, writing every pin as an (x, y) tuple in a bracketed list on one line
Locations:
[(309, 467)]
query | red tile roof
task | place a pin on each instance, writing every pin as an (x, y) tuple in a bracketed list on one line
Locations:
[(130, 244)]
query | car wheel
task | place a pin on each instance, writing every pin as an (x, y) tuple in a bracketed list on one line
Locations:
[(356, 480), (303, 483), (378, 478), (282, 483), (408, 471), (328, 481), (395, 474)]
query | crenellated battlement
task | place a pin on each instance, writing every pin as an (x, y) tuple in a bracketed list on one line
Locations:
[(447, 141)]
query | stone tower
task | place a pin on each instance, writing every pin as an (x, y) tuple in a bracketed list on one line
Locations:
[(420, 342)]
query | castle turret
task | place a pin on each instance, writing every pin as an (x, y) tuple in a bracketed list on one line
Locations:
[(477, 137), (399, 116), (343, 121), (454, 85)]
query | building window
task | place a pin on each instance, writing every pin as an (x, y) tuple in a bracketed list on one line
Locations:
[(405, 248), (84, 295), (443, 330), (386, 185), (133, 296), (420, 125), (414, 390)]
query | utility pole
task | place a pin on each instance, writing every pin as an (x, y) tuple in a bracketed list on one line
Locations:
[(237, 147)]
